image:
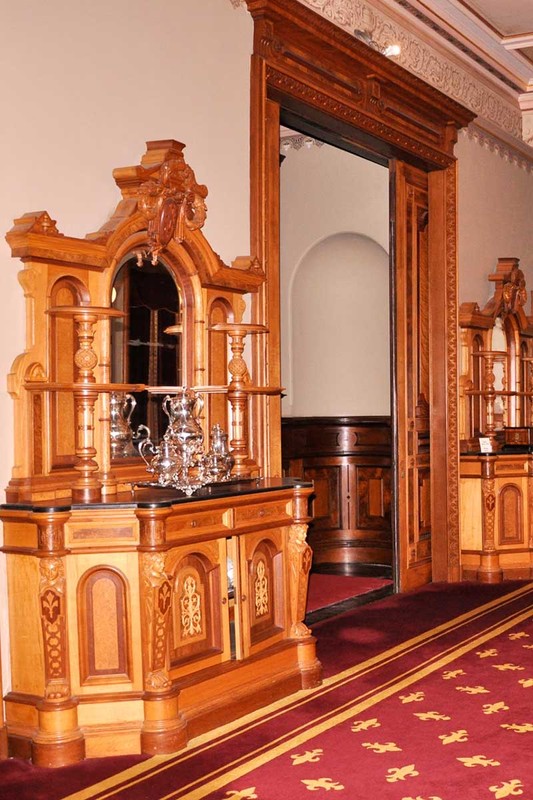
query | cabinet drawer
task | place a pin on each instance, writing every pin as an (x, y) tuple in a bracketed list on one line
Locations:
[(201, 522), (262, 513)]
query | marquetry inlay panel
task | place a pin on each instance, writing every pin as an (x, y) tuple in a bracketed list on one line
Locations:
[(104, 627), (54, 630), (195, 608)]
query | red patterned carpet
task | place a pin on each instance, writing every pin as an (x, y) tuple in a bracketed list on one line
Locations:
[(328, 590), (427, 696)]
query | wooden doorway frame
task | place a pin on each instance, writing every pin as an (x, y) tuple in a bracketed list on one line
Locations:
[(319, 78)]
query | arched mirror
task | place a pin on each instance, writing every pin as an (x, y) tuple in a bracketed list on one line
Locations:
[(141, 349)]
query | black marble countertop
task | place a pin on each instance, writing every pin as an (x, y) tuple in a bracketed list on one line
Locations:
[(152, 496)]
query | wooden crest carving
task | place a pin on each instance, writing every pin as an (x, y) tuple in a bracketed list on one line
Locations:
[(514, 290), (171, 203)]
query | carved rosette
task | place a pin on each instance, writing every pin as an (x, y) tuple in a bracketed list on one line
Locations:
[(52, 586), (300, 557), (157, 601), (171, 203)]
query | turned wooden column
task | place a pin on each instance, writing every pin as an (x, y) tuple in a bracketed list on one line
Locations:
[(58, 739), (163, 729), (489, 570), (239, 390), (87, 488)]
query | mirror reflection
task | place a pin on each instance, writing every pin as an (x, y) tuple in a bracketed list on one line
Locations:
[(141, 351)]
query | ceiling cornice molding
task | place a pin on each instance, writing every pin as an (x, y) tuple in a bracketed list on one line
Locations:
[(521, 157), (465, 82)]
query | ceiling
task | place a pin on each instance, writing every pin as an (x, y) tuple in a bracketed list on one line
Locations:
[(500, 31), (511, 21)]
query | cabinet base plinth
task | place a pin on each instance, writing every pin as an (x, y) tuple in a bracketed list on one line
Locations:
[(489, 570), (57, 754), (163, 730)]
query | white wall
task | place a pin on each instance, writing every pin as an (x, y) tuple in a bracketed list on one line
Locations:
[(334, 209), (495, 199)]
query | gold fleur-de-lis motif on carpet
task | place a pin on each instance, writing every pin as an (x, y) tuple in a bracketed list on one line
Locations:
[(488, 653), (519, 635), (243, 794), (323, 783), (527, 683), (414, 697), (479, 761), (508, 667), (382, 747), (365, 724), (454, 736), (495, 708), (527, 646), (307, 757), (430, 715), (401, 773), (472, 689), (419, 797), (523, 727), (449, 674), (511, 788)]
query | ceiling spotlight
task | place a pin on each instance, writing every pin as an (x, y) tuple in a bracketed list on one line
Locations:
[(390, 50)]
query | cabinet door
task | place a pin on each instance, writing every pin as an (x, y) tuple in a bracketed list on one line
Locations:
[(260, 591), (199, 634)]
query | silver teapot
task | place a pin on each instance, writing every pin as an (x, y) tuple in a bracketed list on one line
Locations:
[(162, 461), (183, 410)]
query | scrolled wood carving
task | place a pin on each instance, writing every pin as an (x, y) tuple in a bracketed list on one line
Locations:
[(171, 203), (300, 557), (514, 292)]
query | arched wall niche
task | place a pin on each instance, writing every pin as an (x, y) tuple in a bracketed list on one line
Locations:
[(160, 216), (314, 77), (339, 303)]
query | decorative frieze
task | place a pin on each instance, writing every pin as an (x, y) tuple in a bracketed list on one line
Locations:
[(508, 153)]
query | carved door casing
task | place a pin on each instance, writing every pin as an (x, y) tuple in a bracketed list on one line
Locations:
[(412, 375)]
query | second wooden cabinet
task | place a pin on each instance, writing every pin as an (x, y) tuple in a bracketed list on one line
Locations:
[(349, 461)]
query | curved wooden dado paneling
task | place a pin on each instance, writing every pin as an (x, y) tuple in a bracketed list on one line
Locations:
[(349, 461)]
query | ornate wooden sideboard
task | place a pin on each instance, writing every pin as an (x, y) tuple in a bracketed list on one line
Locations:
[(496, 412), (141, 616), (349, 461), (149, 618)]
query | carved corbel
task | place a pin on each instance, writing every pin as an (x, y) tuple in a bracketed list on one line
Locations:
[(300, 557)]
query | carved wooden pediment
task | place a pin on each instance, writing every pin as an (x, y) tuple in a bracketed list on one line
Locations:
[(162, 206), (510, 297)]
